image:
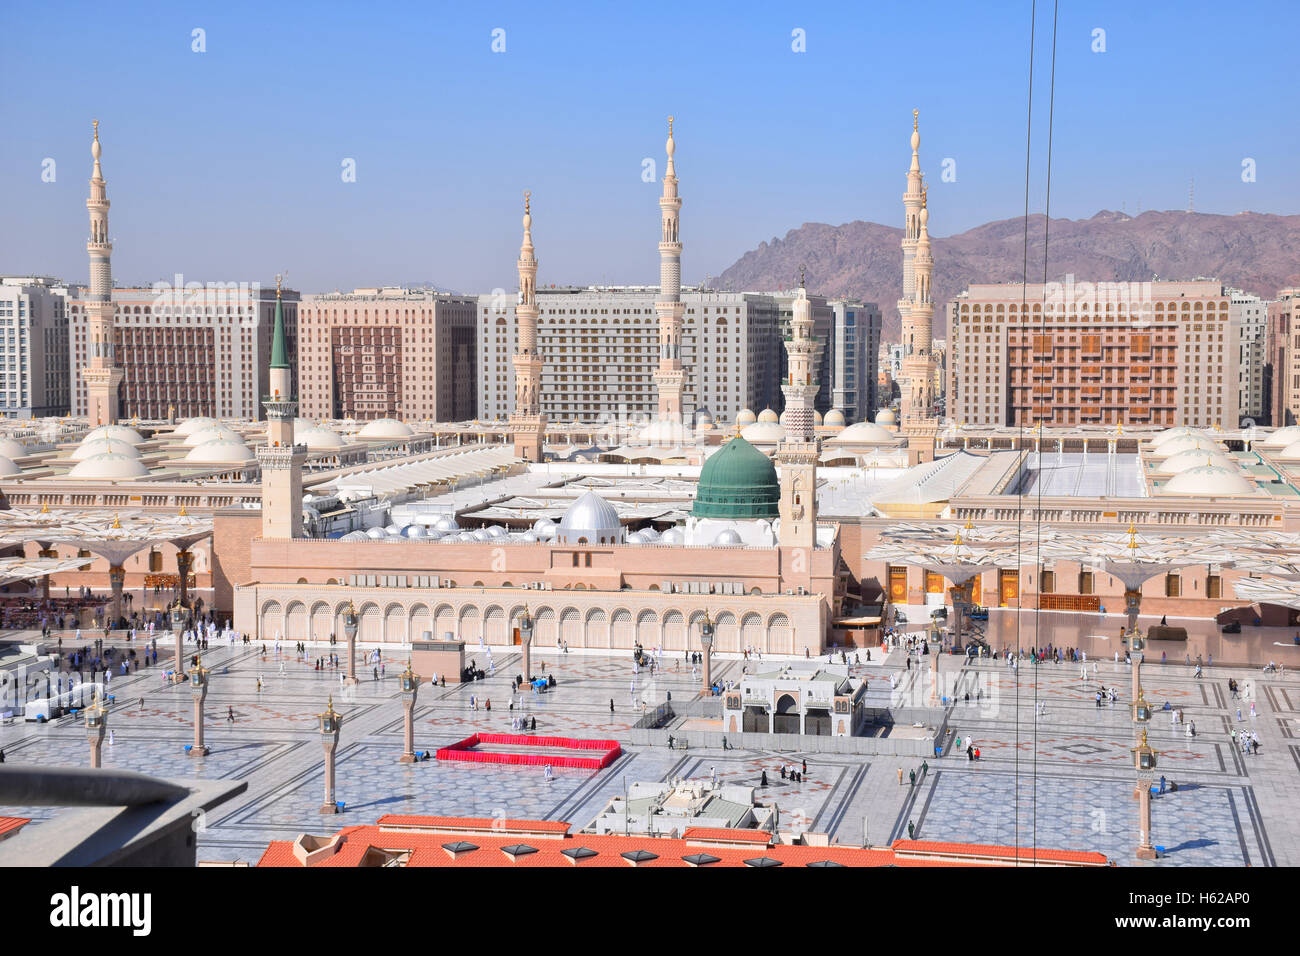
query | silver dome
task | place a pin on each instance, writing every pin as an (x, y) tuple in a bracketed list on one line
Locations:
[(592, 518), (375, 534), (728, 538)]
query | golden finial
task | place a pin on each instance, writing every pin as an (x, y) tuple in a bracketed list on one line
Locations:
[(925, 195), (95, 123), (182, 513), (956, 542), (968, 525), (801, 277), (915, 114), (527, 200), (329, 705), (670, 126), (117, 522), (45, 507), (278, 278)]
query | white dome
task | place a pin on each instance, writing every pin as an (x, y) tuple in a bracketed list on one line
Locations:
[(374, 534), (446, 523), (834, 419), (191, 425), (386, 428), (636, 537), (479, 534), (210, 434), (1169, 434), (7, 466), (115, 432), (546, 532), (1183, 443), (12, 449), (109, 466), (1208, 480), (666, 431), (672, 536), (355, 536), (729, 538), (414, 531), (817, 417), (746, 417), (496, 531), (393, 529), (886, 416), (317, 438), (703, 418), (1290, 451), (768, 432), (226, 451), (592, 518), (102, 446), (1281, 438), (1176, 464), (527, 536), (864, 433), (767, 415), (541, 523)]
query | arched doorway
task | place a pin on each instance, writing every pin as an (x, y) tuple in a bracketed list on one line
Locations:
[(786, 718)]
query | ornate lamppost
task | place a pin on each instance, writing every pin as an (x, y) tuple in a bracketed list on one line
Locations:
[(96, 728), (176, 617), (706, 642), (1144, 762), (350, 632), (330, 722), (1141, 716), (199, 689), (526, 642), (410, 687)]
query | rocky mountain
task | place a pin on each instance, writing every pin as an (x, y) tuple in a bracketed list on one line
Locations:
[(1256, 252)]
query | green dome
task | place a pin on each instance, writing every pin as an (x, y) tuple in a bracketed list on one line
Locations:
[(738, 481)]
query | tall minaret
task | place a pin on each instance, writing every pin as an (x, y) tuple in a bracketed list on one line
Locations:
[(280, 458), (920, 405), (798, 452), (100, 374), (669, 378), (915, 308), (527, 424)]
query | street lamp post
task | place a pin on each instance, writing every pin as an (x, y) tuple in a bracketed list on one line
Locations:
[(176, 617), (706, 642), (330, 722), (1141, 716), (526, 642), (1144, 762), (410, 687), (199, 689), (350, 632), (96, 728)]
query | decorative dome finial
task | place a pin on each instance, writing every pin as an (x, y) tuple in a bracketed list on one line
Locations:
[(915, 114)]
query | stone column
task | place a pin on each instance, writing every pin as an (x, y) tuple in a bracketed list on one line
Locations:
[(350, 626), (199, 688), (706, 644), (96, 728), (410, 686), (330, 723), (526, 643), (184, 561), (1145, 850), (117, 578)]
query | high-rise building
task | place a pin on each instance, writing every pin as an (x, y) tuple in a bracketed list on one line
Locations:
[(1080, 353), (99, 372), (1249, 315), (387, 353), (187, 349), (854, 347), (1282, 372), (599, 354), (34, 376)]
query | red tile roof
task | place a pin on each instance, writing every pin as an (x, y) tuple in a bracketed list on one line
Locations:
[(422, 839), (11, 825), (1009, 853)]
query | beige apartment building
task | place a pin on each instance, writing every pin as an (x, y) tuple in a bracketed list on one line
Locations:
[(387, 353), (1081, 353), (1282, 369)]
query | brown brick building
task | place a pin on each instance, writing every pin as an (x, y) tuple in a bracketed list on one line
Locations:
[(387, 353), (1133, 353)]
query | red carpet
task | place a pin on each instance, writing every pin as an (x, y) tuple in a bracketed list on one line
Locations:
[(465, 750)]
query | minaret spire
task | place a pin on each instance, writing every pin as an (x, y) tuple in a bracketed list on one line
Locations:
[(670, 377), (799, 451), (100, 372), (916, 307), (281, 457), (528, 424)]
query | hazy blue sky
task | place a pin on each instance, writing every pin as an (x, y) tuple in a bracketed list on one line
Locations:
[(225, 165)]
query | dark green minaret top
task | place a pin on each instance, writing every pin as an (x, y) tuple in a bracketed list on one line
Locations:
[(279, 350)]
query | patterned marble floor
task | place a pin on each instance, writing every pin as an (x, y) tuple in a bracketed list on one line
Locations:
[(1232, 810)]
